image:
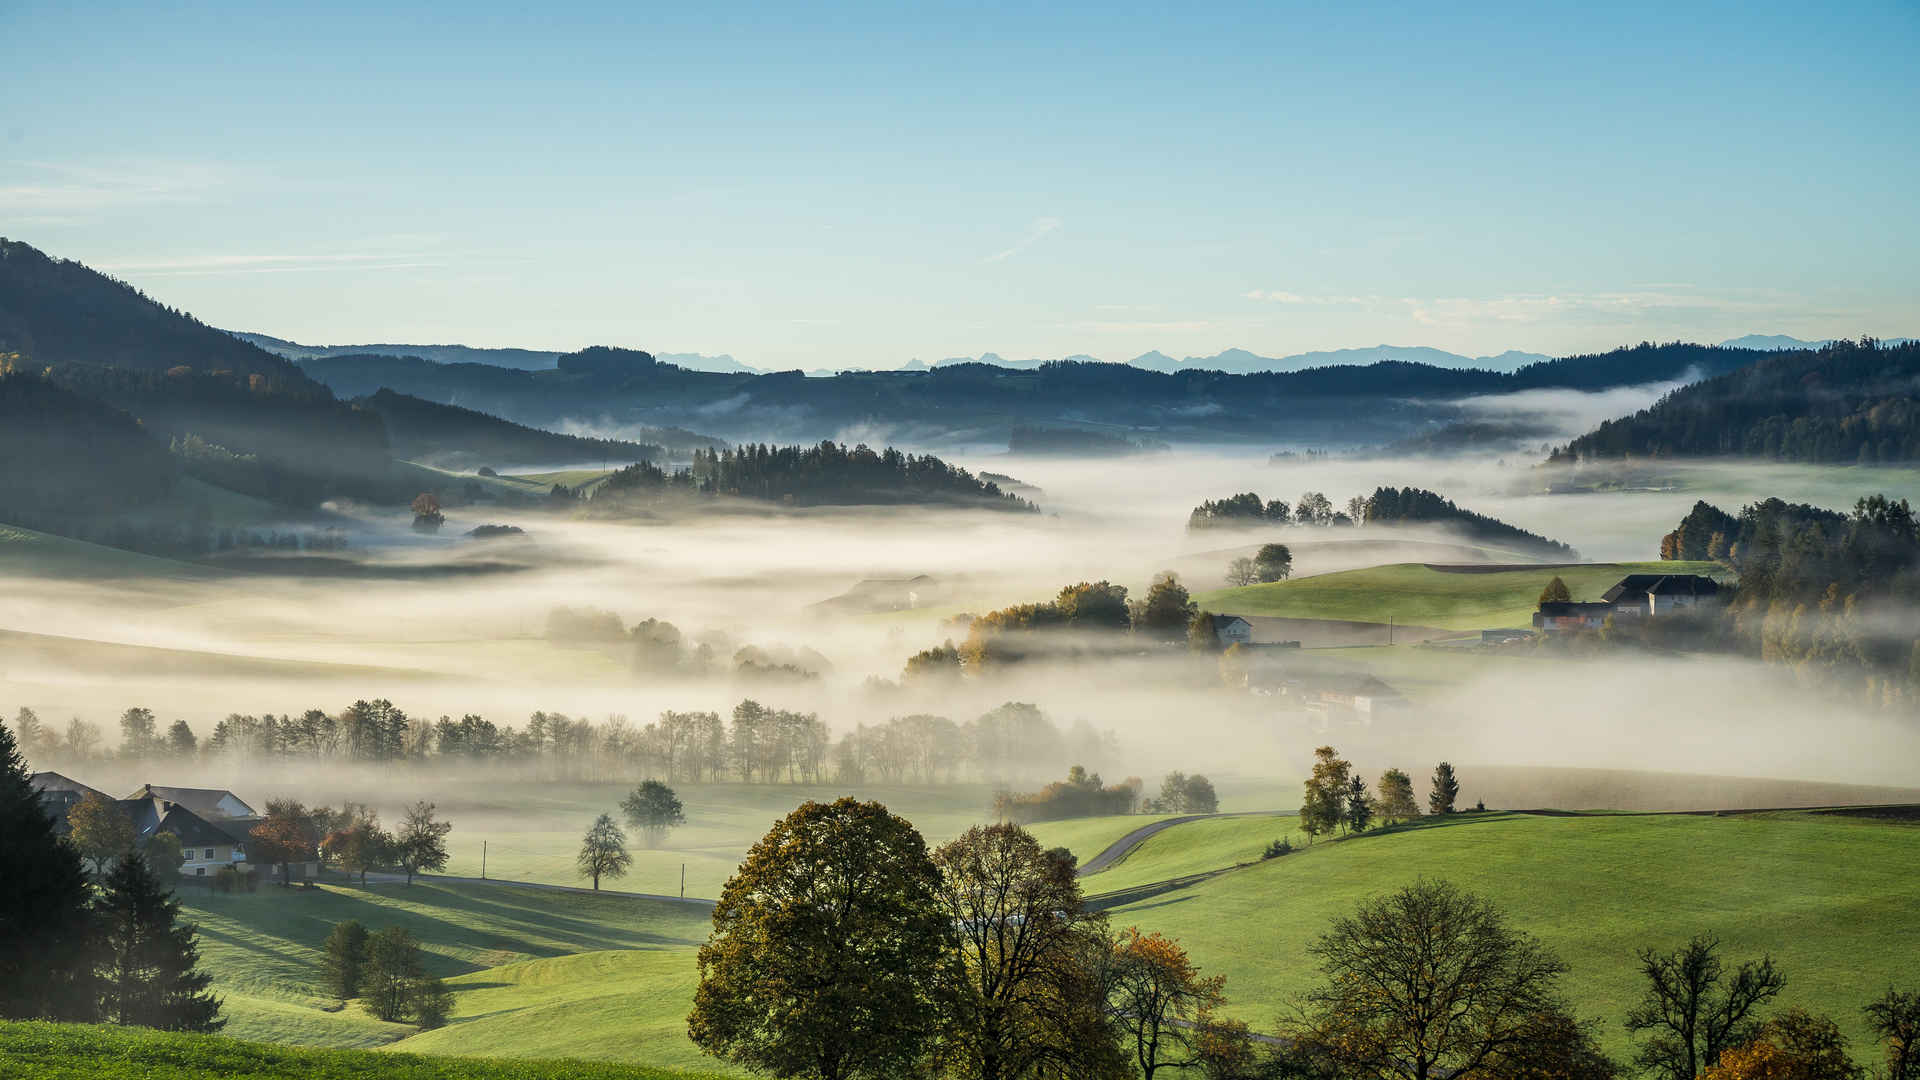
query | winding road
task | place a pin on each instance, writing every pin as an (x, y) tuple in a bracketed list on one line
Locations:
[(1122, 847)]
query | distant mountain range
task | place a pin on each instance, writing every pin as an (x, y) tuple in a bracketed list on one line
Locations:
[(518, 359), (1244, 362)]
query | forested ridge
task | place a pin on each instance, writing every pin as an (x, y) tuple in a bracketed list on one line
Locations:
[(827, 474), (1849, 402), (456, 437)]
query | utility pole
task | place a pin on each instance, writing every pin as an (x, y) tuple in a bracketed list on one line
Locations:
[(483, 860), (1389, 629), (683, 881)]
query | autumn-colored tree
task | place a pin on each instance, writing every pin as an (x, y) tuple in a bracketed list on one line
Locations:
[(826, 949), (284, 837), (1556, 592), (1025, 989), (1795, 1045), (1431, 982), (1396, 804), (99, 830), (1324, 807), (360, 847), (1895, 1019), (1164, 1006)]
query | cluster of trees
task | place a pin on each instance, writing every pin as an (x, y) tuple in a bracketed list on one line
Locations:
[(1273, 562), (1082, 618), (352, 838), (652, 809), (1387, 505), (1337, 798), (387, 971), (980, 959), (1821, 592), (1183, 794), (754, 744), (826, 474), (1081, 794), (658, 647), (1249, 510), (74, 950), (1865, 411)]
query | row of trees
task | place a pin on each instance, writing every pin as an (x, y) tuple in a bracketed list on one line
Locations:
[(1082, 619), (74, 951), (1386, 505), (1337, 799), (1273, 562), (825, 474), (755, 743)]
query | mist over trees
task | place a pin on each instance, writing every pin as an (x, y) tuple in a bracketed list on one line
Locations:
[(827, 474), (1385, 506)]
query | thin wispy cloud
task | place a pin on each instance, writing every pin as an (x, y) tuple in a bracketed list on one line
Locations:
[(1039, 230), (1282, 296), (50, 188)]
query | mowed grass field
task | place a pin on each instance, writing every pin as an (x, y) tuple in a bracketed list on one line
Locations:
[(1413, 594), (39, 1051), (264, 948), (1833, 899), (1195, 847)]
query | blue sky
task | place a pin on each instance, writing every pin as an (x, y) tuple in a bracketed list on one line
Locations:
[(864, 185)]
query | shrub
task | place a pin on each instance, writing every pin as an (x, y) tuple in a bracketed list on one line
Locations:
[(1278, 848)]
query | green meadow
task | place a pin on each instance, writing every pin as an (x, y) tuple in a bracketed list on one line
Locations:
[(1414, 594)]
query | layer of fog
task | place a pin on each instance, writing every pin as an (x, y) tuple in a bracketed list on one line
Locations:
[(452, 643)]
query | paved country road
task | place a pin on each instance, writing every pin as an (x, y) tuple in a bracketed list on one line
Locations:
[(1120, 848)]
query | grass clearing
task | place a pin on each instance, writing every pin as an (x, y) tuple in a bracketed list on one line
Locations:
[(41, 1051), (1195, 847), (1832, 899), (1412, 593), (264, 949)]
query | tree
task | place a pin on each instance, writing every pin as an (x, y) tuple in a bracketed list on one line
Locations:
[(1167, 608), (1359, 808), (31, 736), (1313, 508), (284, 837), (1445, 790), (99, 830), (136, 732), (180, 740), (82, 737), (426, 512), (1241, 572), (360, 847), (1324, 806), (1273, 563), (394, 974), (604, 851), (149, 975), (421, 843), (1795, 1045), (1025, 988), (1895, 1020), (164, 854), (1694, 1010), (1431, 982), (346, 959), (938, 664), (46, 946), (1162, 1003), (1173, 794), (654, 809), (1397, 804), (1201, 635), (1556, 592), (825, 950), (1199, 796)]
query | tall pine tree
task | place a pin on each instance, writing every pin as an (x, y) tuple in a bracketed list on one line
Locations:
[(148, 962), (46, 959)]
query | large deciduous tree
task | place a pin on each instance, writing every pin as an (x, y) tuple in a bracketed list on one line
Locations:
[(284, 837), (361, 846), (1323, 807), (1795, 1045), (825, 950), (1695, 1010), (1166, 610), (99, 830), (1274, 562), (1397, 804), (46, 944), (655, 810), (149, 973), (1025, 988), (1895, 1020), (1162, 1003), (603, 852), (1430, 982), (421, 843)]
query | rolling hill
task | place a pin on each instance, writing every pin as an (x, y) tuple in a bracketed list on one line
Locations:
[(449, 436)]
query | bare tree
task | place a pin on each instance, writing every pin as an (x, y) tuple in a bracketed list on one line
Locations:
[(1693, 1008)]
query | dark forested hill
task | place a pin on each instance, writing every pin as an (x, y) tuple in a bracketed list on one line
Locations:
[(68, 456), (452, 437), (828, 474), (1847, 402), (54, 311), (972, 402), (1418, 506)]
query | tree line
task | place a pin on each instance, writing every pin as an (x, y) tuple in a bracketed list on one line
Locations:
[(824, 474), (755, 743), (1086, 618), (1386, 505)]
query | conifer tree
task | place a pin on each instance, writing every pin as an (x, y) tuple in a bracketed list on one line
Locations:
[(46, 962), (149, 974)]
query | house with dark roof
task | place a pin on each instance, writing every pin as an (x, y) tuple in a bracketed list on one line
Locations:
[(206, 845), (1560, 616), (1654, 595), (1232, 630), (59, 793), (212, 803)]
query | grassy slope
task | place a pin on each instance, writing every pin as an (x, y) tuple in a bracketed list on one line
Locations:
[(1087, 837), (1411, 593), (1832, 899), (264, 949), (36, 1051), (1195, 848), (28, 551), (603, 1006)]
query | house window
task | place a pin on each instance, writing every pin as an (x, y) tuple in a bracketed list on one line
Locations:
[(209, 853), (199, 871)]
